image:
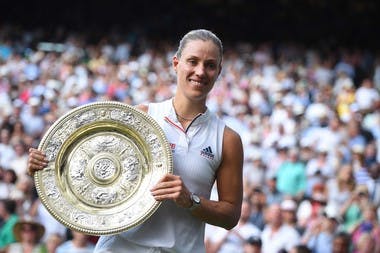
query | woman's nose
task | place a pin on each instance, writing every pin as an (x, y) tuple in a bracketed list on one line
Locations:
[(199, 69)]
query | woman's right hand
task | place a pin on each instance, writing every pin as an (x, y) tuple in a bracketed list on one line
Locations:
[(37, 161)]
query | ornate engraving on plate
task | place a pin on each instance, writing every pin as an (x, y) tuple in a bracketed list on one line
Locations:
[(104, 169), (104, 157)]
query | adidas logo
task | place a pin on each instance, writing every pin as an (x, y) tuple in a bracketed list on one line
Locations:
[(207, 152)]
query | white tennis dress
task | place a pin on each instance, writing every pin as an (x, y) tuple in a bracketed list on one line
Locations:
[(197, 153)]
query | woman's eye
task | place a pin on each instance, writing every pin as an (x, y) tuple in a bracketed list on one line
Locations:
[(211, 65)]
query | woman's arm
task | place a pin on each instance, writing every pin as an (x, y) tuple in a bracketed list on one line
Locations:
[(226, 211)]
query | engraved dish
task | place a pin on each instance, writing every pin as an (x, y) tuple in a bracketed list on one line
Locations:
[(103, 159)]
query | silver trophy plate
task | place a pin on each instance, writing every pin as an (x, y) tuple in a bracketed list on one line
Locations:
[(103, 159)]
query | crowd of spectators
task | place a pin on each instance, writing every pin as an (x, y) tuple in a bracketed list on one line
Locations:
[(309, 119)]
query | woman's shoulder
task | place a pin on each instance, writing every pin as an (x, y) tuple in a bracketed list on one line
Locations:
[(231, 137), (228, 131)]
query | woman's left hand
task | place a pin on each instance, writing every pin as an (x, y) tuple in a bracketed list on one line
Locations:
[(172, 187)]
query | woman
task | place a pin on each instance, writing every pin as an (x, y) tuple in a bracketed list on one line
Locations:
[(8, 184), (28, 235), (204, 150), (340, 189), (368, 225)]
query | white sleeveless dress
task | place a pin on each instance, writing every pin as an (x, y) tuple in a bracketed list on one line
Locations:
[(197, 154)]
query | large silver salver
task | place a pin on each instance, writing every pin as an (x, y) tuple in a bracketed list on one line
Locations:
[(103, 159)]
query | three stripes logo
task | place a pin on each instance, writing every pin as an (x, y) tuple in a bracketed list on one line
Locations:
[(207, 152)]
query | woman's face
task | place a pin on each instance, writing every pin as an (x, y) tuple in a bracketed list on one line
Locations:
[(197, 69), (9, 177), (369, 214), (345, 173), (340, 245), (29, 233)]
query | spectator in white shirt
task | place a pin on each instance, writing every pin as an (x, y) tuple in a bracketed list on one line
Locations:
[(367, 97), (277, 236)]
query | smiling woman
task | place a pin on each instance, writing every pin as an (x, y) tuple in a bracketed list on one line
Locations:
[(197, 69), (204, 150), (186, 205)]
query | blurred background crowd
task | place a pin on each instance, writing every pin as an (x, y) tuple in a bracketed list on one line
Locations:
[(309, 118)]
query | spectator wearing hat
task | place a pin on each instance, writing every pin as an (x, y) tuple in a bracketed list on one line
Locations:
[(39, 212), (288, 212), (9, 218), (28, 234)]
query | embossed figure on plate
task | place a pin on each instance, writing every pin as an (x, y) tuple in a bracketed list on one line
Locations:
[(104, 169)]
